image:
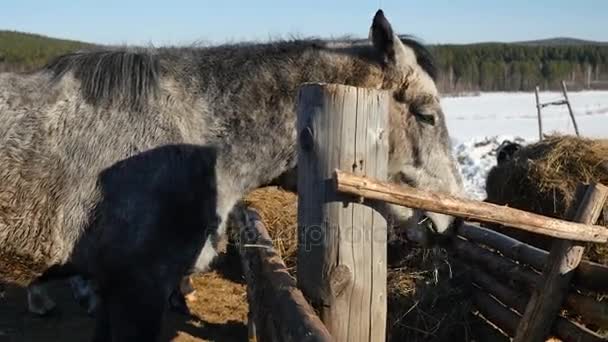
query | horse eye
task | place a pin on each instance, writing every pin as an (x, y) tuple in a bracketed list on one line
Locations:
[(423, 117)]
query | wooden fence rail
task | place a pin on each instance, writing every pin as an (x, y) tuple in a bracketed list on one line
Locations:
[(524, 280), (470, 210), (507, 298), (278, 310), (589, 275)]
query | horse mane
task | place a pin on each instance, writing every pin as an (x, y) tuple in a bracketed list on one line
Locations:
[(130, 78), (424, 57), (116, 77)]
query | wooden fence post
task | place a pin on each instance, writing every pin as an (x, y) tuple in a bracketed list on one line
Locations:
[(547, 298), (538, 111), (342, 246), (565, 91)]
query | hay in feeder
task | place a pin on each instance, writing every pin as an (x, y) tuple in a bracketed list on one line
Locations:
[(278, 210), (428, 300), (542, 178)]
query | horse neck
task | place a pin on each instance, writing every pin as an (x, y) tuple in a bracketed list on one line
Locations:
[(258, 141)]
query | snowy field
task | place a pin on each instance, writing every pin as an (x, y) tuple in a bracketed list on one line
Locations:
[(479, 124)]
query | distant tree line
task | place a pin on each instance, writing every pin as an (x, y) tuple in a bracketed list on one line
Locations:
[(462, 68), (24, 51), (513, 67)]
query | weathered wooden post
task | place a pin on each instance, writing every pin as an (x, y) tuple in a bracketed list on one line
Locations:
[(538, 111), (342, 246), (565, 91)]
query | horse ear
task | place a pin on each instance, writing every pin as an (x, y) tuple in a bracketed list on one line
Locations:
[(382, 36)]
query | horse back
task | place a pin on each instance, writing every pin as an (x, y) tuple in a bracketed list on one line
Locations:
[(53, 145)]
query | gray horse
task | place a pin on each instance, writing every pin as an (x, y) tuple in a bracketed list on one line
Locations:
[(123, 165)]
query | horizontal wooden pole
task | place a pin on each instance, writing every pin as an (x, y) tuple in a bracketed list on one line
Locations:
[(562, 327), (590, 310), (587, 306), (589, 275), (493, 286), (495, 312), (484, 330), (269, 285), (406, 196), (508, 246), (554, 103), (495, 264)]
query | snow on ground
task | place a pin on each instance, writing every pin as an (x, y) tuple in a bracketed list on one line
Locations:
[(475, 158), (479, 124)]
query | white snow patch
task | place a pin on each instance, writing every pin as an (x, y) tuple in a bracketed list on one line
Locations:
[(475, 158), (495, 114), (479, 124)]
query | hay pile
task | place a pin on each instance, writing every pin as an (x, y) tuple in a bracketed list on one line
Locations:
[(429, 300), (279, 211), (542, 177), (423, 302)]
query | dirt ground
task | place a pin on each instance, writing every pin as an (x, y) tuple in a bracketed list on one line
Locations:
[(219, 310)]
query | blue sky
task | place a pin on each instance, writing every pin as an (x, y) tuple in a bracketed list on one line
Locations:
[(187, 21)]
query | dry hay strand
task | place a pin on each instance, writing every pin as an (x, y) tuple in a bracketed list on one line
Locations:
[(278, 209), (542, 178), (204, 303), (427, 299)]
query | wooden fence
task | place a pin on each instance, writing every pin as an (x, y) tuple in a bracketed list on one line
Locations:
[(277, 309), (538, 281), (342, 241)]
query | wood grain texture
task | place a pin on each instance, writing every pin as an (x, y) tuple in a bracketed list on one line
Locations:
[(562, 327), (524, 279), (370, 188), (342, 246), (567, 102), (589, 275), (539, 114)]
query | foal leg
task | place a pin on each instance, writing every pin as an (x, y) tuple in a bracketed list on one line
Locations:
[(177, 300), (39, 302), (84, 292), (135, 307), (102, 323)]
